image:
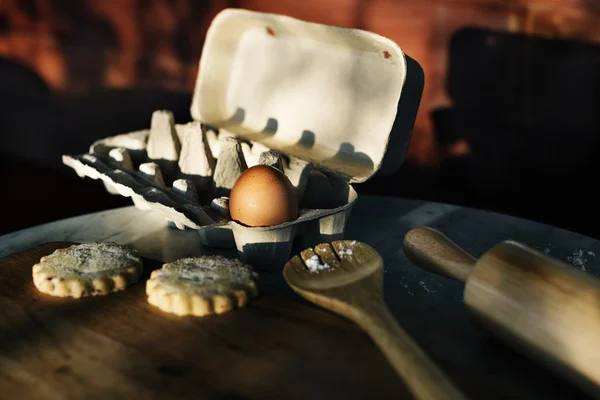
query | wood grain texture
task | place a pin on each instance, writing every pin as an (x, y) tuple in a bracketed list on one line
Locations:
[(120, 347), (544, 308), (351, 285)]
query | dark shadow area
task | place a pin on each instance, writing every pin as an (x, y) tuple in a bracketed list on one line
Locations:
[(307, 140), (238, 116), (402, 129), (271, 127), (527, 108), (169, 170), (202, 185), (267, 256), (346, 158), (324, 190), (38, 126), (525, 369), (20, 82), (347, 154)]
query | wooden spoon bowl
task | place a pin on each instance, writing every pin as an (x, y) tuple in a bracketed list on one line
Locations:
[(346, 277)]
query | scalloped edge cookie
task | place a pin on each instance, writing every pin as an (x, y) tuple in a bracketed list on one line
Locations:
[(87, 269), (201, 286)]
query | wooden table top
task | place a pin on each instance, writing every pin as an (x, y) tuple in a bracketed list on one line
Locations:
[(428, 307)]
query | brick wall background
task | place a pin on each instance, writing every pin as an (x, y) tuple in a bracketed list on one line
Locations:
[(75, 45)]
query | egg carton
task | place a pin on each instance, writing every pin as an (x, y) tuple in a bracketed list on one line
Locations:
[(186, 171), (324, 104)]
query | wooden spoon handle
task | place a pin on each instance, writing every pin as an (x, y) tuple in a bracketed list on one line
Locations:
[(435, 252), (423, 378)]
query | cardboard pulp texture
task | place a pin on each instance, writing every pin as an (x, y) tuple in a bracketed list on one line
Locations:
[(321, 103)]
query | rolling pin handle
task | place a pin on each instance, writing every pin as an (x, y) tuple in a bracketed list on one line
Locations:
[(435, 252)]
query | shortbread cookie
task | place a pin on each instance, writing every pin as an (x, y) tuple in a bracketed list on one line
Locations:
[(202, 285), (87, 269)]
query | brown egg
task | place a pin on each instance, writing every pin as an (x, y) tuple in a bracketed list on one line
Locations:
[(263, 196)]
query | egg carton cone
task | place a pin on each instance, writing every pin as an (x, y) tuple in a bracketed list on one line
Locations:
[(323, 104)]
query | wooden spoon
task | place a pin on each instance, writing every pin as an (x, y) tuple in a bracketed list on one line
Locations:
[(347, 278)]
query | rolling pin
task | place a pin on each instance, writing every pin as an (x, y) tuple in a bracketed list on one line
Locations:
[(542, 307)]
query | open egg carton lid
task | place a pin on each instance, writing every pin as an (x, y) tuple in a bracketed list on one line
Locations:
[(321, 103), (324, 94)]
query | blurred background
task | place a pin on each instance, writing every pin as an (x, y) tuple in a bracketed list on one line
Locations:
[(509, 117)]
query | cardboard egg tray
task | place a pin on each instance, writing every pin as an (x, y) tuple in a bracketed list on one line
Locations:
[(180, 178), (321, 103)]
